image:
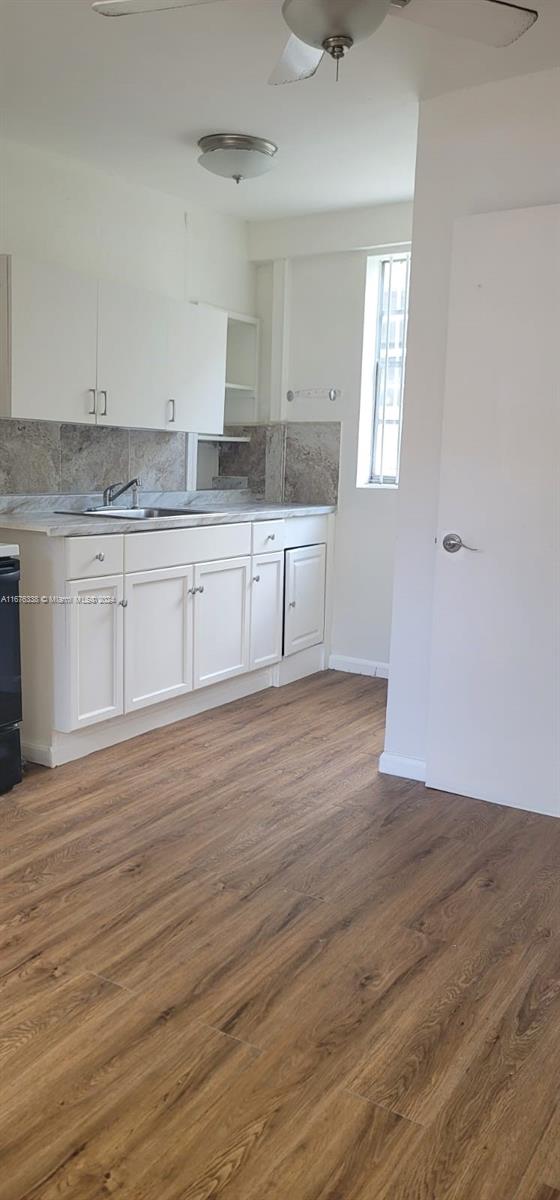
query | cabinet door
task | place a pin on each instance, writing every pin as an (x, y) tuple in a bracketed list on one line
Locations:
[(197, 364), (133, 367), (52, 333), (158, 636), (305, 598), (221, 620), (267, 597), (95, 650)]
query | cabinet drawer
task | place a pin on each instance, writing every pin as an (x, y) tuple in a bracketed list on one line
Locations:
[(89, 557), (179, 547), (268, 536), (305, 531)]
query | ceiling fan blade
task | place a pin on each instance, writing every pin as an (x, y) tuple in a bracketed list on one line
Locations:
[(299, 61), (127, 8), (494, 22)]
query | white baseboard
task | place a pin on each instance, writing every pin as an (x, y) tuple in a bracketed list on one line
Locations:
[(359, 666), (300, 665), (35, 753), (403, 768), (67, 747)]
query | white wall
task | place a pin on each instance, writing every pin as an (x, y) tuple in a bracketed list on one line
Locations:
[(480, 150), (322, 348), (321, 233), (62, 210), (326, 335)]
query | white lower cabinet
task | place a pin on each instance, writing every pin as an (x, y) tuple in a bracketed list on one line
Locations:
[(221, 620), (134, 639), (267, 599), (158, 648), (304, 622), (95, 651)]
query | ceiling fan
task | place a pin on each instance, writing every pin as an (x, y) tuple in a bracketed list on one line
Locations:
[(320, 27)]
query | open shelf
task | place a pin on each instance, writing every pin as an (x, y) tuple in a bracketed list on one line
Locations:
[(220, 437)]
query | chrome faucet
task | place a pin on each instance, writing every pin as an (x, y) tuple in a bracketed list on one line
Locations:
[(115, 490)]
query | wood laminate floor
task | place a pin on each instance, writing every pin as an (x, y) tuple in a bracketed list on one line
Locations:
[(236, 962)]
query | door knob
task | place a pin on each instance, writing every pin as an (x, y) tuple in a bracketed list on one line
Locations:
[(292, 604), (256, 578), (453, 542)]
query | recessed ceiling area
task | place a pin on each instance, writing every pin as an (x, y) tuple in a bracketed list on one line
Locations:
[(133, 96)]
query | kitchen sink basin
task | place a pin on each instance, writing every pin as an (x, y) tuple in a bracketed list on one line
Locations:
[(132, 514), (141, 514)]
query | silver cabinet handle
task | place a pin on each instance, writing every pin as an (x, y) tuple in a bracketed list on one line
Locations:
[(172, 414), (123, 603), (453, 542), (194, 590), (292, 604), (103, 412), (256, 578), (200, 589), (100, 557), (271, 537), (93, 407)]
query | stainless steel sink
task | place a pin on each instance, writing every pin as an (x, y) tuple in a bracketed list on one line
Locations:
[(141, 514), (132, 514)]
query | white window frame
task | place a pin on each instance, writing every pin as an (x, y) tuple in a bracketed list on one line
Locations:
[(372, 403)]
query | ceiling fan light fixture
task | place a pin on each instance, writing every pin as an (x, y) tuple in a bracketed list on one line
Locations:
[(324, 23), (236, 156)]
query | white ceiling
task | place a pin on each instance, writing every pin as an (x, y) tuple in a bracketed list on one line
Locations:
[(133, 96)]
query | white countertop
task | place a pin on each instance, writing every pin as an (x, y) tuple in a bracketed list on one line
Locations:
[(73, 525), (8, 550)]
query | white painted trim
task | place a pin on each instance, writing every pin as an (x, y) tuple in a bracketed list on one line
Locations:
[(359, 666), (67, 747), (280, 339), (298, 666), (35, 753), (403, 768)]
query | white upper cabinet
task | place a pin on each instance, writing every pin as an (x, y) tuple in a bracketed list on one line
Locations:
[(197, 362), (48, 332), (133, 373), (73, 348)]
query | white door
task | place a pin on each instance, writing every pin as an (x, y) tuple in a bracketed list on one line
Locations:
[(221, 620), (53, 331), (305, 598), (267, 604), (95, 650), (158, 636), (197, 366), (494, 730), (133, 364)]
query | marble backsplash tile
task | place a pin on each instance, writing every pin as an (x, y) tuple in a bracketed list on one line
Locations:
[(158, 459), (29, 456), (246, 458), (91, 457), (45, 457), (312, 462), (296, 461)]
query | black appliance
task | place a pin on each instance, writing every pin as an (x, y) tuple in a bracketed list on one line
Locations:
[(10, 675)]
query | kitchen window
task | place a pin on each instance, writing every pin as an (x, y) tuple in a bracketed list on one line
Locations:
[(383, 369)]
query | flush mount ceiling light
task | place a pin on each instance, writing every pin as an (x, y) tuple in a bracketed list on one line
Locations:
[(236, 155)]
